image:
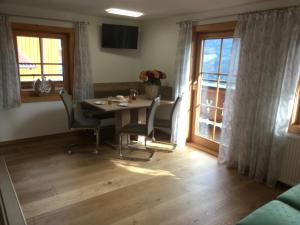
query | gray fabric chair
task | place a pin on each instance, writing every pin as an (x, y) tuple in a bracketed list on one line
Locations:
[(140, 129), (167, 123), (77, 120)]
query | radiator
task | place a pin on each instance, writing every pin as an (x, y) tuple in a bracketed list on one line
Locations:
[(290, 171)]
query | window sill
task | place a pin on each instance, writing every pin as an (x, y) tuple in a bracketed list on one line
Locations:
[(26, 98)]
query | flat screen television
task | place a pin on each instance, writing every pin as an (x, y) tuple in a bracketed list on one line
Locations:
[(119, 36)]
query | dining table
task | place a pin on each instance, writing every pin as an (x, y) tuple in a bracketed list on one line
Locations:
[(126, 110)]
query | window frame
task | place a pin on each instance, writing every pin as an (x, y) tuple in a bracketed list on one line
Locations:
[(216, 30), (294, 126), (67, 36)]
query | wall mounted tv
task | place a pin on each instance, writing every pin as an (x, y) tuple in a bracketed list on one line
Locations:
[(119, 36)]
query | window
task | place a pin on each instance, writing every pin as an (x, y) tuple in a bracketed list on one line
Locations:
[(295, 120), (43, 52)]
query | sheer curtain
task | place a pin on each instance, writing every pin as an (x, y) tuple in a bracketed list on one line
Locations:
[(182, 72), (83, 84), (260, 92), (9, 78)]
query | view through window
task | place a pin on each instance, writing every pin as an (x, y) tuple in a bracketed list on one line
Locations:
[(40, 57), (43, 53), (213, 72)]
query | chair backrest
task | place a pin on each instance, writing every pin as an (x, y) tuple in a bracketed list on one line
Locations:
[(151, 115), (68, 103), (175, 108)]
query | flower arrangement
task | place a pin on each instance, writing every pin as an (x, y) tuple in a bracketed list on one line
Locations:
[(152, 77)]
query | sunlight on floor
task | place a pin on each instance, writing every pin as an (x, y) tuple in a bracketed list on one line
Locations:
[(196, 154), (140, 170), (156, 145)]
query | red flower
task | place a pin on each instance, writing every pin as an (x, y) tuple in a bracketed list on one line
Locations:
[(152, 74), (156, 74), (143, 76)]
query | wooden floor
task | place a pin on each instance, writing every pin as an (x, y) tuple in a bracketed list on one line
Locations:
[(183, 188)]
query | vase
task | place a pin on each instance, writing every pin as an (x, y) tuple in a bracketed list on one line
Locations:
[(151, 91)]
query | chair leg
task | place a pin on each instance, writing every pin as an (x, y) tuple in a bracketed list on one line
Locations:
[(97, 137), (70, 149), (150, 150), (128, 140), (153, 137), (97, 132), (120, 146), (134, 158), (170, 143)]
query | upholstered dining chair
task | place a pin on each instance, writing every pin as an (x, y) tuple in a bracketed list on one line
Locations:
[(139, 129), (167, 123), (77, 120)]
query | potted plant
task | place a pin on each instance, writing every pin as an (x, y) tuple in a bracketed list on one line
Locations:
[(151, 79)]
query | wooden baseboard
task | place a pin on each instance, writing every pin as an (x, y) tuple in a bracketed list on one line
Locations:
[(108, 134), (202, 148), (39, 138)]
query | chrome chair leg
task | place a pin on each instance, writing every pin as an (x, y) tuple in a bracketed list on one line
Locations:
[(128, 140), (153, 137), (97, 132), (150, 151), (151, 154), (120, 146), (71, 148), (170, 143)]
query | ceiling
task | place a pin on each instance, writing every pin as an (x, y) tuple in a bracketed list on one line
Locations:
[(151, 8)]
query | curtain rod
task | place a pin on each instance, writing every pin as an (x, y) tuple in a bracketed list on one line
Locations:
[(43, 18), (237, 14), (209, 18)]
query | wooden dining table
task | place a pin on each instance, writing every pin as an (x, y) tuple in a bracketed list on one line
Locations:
[(134, 112)]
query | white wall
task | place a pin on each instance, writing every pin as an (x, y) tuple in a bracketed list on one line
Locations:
[(32, 119), (159, 45), (36, 119)]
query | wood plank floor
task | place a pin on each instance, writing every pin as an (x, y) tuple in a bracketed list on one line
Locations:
[(187, 187)]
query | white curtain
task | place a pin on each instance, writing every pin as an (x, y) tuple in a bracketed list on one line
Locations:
[(182, 72), (9, 78), (260, 92), (83, 83)]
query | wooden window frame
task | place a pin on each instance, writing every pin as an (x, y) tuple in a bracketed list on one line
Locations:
[(213, 31), (294, 126), (67, 35)]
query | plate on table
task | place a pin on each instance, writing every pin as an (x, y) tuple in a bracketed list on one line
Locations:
[(117, 100), (100, 102), (120, 100), (120, 97), (123, 104)]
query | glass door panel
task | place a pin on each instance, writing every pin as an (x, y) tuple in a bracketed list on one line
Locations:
[(213, 60), (205, 123), (218, 126)]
